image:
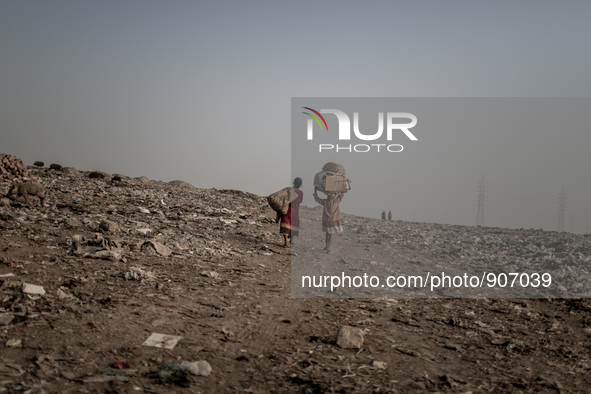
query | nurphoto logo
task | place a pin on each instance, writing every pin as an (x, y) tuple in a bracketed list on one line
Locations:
[(392, 119)]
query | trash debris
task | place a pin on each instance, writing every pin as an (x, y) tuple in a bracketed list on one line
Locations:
[(211, 274), (162, 341), (14, 342), (62, 295), (137, 273), (173, 373), (121, 365), (10, 369)]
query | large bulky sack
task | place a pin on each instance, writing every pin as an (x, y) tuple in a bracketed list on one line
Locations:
[(334, 168), (329, 182), (280, 200)]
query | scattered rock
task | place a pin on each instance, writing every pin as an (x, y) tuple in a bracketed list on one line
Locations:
[(200, 368), (109, 226), (98, 175), (153, 247), (379, 365), (5, 319), (33, 289), (74, 223), (182, 185), (38, 164), (350, 337), (62, 295), (71, 171)]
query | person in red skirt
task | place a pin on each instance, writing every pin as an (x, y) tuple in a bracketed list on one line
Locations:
[(290, 222)]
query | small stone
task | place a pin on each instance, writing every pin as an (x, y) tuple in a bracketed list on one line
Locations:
[(109, 226), (56, 167), (5, 319), (453, 346), (161, 249), (38, 164), (70, 171), (379, 365), (211, 274), (33, 289), (97, 175), (62, 295), (201, 368), (350, 337), (74, 223)]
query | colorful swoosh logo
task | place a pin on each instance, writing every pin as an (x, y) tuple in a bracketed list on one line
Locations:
[(315, 118)]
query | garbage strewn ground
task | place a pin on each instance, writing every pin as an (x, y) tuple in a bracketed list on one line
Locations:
[(110, 261)]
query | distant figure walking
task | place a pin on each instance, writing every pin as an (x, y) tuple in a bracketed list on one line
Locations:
[(331, 217), (390, 216), (290, 222), (383, 215)]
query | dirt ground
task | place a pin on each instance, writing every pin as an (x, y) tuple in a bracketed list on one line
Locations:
[(225, 290)]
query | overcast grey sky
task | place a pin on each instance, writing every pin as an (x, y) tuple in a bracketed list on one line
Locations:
[(200, 91)]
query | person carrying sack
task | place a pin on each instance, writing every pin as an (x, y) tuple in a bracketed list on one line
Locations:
[(290, 222), (331, 217)]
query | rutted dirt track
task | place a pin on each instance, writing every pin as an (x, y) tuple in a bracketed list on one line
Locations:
[(223, 286)]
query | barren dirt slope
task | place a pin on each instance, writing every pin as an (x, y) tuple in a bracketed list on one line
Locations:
[(120, 259)]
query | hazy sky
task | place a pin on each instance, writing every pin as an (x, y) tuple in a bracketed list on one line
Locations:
[(526, 148), (200, 91)]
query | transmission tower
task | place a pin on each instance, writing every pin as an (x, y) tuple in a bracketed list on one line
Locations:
[(561, 210), (481, 195)]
